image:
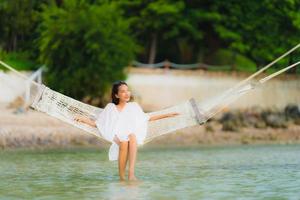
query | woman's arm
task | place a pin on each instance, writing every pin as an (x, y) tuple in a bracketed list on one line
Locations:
[(85, 120), (157, 117)]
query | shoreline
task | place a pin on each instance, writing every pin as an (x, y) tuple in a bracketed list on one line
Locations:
[(34, 130), (143, 148)]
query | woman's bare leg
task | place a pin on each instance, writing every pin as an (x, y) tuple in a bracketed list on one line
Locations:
[(132, 156), (123, 151)]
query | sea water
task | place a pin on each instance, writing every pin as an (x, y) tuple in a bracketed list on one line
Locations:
[(224, 172)]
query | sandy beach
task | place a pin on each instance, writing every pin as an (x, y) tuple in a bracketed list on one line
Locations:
[(35, 130)]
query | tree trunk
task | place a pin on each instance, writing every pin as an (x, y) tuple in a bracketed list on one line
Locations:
[(152, 53), (15, 39), (59, 3), (233, 61), (186, 50)]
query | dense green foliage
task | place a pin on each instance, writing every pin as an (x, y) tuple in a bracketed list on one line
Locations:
[(86, 44), (259, 29)]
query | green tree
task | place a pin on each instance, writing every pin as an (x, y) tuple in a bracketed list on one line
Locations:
[(85, 47), (155, 22), (18, 19), (261, 30), (179, 30)]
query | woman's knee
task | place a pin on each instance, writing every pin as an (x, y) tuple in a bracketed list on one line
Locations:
[(132, 137), (123, 145)]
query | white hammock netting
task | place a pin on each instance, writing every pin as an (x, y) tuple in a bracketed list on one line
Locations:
[(192, 112)]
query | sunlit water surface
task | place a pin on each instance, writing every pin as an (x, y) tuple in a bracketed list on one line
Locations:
[(236, 172)]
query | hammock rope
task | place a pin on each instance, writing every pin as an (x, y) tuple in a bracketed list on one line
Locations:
[(191, 111), (268, 66)]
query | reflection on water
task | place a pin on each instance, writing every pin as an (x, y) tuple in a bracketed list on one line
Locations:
[(246, 172), (119, 190)]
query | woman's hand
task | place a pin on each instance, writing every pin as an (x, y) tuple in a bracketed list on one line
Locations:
[(117, 140), (173, 114), (85, 120), (80, 119), (157, 117)]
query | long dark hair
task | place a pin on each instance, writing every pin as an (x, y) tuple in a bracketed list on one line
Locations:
[(114, 91)]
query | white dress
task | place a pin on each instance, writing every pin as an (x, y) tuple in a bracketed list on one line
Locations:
[(131, 120)]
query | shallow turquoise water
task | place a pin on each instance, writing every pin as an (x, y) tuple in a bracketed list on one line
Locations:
[(236, 172)]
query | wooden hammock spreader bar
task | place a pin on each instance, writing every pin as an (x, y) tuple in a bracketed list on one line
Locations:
[(199, 116)]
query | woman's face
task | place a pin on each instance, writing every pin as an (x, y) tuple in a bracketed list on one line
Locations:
[(123, 93)]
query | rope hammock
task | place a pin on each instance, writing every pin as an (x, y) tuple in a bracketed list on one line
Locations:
[(191, 111)]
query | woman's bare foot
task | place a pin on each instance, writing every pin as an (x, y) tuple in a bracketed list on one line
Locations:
[(122, 178), (132, 178)]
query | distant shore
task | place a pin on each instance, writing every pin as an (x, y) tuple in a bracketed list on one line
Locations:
[(35, 130)]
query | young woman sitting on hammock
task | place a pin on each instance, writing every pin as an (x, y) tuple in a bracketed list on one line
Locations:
[(124, 124)]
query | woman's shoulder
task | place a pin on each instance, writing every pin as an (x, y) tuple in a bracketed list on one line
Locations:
[(110, 104), (136, 105), (133, 103)]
